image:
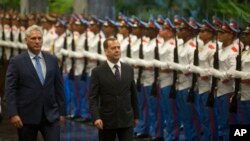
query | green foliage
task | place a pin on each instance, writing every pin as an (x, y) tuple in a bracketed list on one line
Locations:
[(9, 4), (60, 6), (233, 10)]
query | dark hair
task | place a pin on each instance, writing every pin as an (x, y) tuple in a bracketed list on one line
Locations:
[(105, 43)]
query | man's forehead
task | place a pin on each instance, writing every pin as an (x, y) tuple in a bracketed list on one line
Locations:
[(114, 43)]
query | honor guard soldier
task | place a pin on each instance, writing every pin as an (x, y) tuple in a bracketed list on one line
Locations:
[(227, 61), (32, 19), (186, 112), (21, 37), (15, 23), (128, 39), (6, 36), (79, 86), (244, 75), (160, 20), (49, 33), (110, 29), (60, 49), (150, 76), (95, 53), (206, 52), (168, 107), (139, 29)]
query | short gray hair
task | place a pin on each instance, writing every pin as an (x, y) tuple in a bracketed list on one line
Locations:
[(32, 28)]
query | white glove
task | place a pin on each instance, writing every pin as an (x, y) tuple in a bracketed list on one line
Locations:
[(64, 52), (238, 74), (159, 64), (217, 73), (197, 69), (129, 60), (12, 44), (100, 57), (144, 63), (179, 67)]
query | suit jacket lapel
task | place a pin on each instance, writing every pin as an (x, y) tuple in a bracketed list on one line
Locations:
[(110, 73), (30, 66)]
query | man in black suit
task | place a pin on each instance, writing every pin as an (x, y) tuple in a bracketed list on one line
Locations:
[(34, 91), (113, 96)]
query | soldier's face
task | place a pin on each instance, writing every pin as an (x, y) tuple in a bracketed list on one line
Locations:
[(113, 51), (245, 38), (34, 41), (205, 35), (182, 33), (225, 36), (166, 33)]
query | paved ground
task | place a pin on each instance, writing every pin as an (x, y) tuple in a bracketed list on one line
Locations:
[(71, 131)]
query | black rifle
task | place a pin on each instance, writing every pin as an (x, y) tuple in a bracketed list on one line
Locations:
[(140, 69), (86, 48), (99, 49), (128, 53), (72, 69), (63, 56), (214, 87), (20, 41), (154, 90), (11, 49), (233, 104), (3, 57), (191, 93), (172, 93)]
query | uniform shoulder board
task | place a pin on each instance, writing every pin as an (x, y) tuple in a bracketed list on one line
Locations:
[(145, 41), (171, 43), (234, 49), (211, 46), (192, 44)]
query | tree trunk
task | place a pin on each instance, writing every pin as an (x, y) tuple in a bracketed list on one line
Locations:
[(24, 7), (80, 6)]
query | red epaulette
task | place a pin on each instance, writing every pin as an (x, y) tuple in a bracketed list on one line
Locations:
[(171, 43), (234, 49), (192, 44), (211, 46), (145, 41)]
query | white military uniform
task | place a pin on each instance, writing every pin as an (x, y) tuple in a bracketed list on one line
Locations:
[(124, 44), (206, 54), (93, 46), (166, 52), (186, 57), (48, 38), (148, 51), (59, 51), (227, 62)]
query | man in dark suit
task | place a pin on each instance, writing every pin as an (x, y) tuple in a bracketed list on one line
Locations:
[(113, 96), (34, 91)]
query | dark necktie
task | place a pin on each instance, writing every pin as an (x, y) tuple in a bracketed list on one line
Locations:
[(117, 72), (38, 68)]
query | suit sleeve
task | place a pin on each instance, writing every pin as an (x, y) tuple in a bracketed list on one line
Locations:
[(11, 85), (134, 100), (59, 90), (94, 95)]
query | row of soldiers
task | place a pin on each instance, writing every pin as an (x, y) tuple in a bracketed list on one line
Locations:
[(186, 72)]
